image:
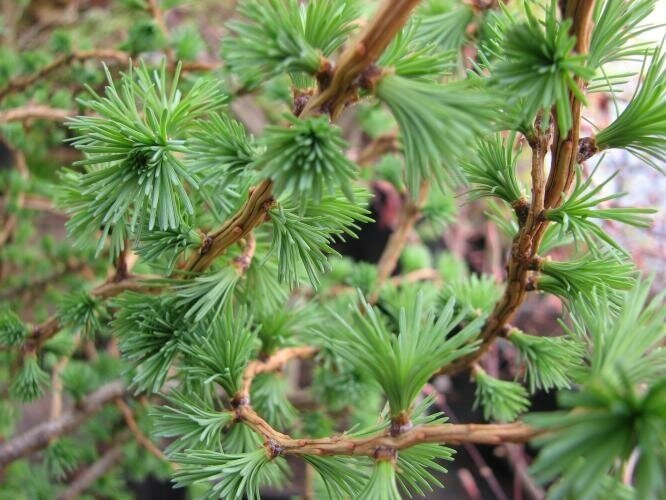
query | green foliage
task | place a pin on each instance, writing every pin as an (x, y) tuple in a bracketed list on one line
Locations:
[(233, 476), (411, 55), (550, 362), (132, 147), (476, 293), (500, 400), (207, 294), (537, 65), (641, 126), (83, 312), (307, 160), (144, 36), (192, 420), (493, 170), (343, 478), (416, 465), (605, 424), (187, 42), (61, 458), (168, 245), (221, 143), (12, 330), (29, 383), (269, 397), (617, 24), (447, 29), (586, 277), (220, 352), (281, 326), (402, 362), (328, 24), (78, 379), (280, 37), (382, 484), (437, 123), (627, 342), (575, 212), (415, 257), (162, 167), (149, 330), (302, 239)]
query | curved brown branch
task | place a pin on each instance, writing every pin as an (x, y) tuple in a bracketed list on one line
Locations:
[(274, 363), (39, 436), (23, 82), (43, 331), (562, 170), (545, 194), (140, 437), (491, 434), (34, 112), (360, 55), (409, 216), (249, 216)]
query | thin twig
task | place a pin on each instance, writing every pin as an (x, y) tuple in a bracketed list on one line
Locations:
[(243, 261), (409, 215), (43, 331), (34, 112), (39, 436), (140, 437), (23, 82), (491, 434), (157, 14), (545, 194), (360, 55), (11, 220), (274, 363)]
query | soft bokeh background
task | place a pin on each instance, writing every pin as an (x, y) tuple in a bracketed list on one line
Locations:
[(35, 32)]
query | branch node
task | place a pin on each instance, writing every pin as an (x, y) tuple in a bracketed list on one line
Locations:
[(385, 453)]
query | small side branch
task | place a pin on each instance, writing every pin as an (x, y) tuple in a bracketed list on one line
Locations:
[(409, 216), (23, 82), (34, 112), (39, 436), (133, 426), (490, 434), (391, 16), (274, 363)]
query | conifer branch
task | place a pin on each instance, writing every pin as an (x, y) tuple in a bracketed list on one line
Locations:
[(545, 194), (274, 363), (409, 216), (40, 435), (249, 216), (565, 148), (140, 437), (34, 112), (24, 82), (43, 331), (490, 434), (360, 55), (11, 220)]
